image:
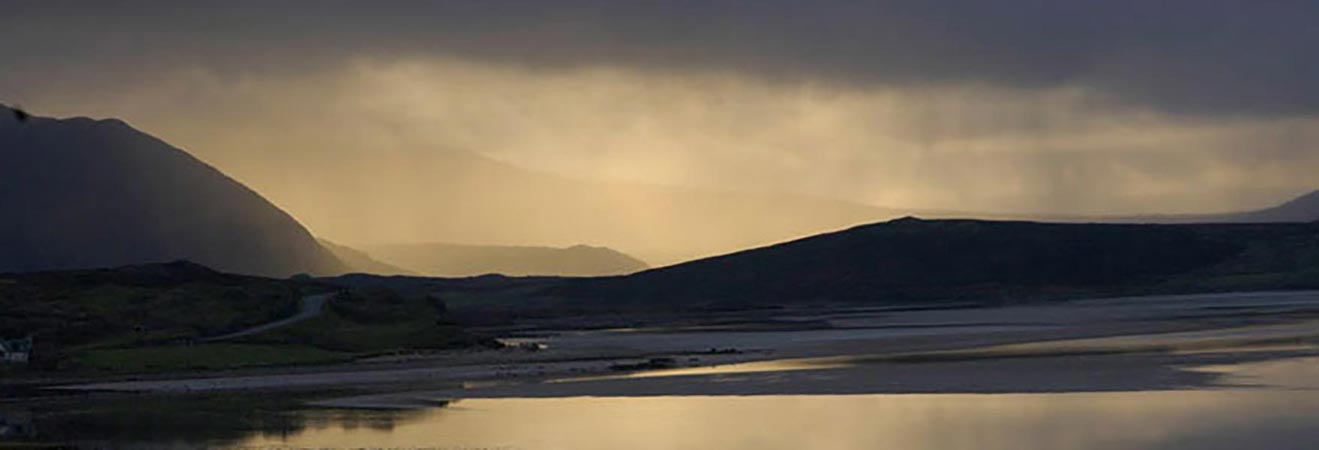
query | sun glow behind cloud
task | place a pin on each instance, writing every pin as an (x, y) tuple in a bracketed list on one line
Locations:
[(952, 147), (465, 121)]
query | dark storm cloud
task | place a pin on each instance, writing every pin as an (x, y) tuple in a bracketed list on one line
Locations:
[(1183, 56)]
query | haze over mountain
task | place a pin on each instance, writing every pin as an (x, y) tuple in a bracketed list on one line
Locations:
[(462, 197), (457, 260), (82, 193), (1301, 209), (1304, 208), (459, 197), (361, 262)]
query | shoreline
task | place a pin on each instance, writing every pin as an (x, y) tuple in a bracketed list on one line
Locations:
[(1090, 345)]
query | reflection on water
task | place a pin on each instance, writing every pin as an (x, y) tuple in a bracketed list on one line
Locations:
[(778, 365), (1293, 336), (1298, 374), (1162, 420), (1156, 420), (183, 422), (1279, 417)]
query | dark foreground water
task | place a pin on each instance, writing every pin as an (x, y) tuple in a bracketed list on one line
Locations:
[(1284, 415)]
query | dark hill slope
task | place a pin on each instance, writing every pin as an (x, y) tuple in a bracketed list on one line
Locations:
[(79, 193), (912, 259)]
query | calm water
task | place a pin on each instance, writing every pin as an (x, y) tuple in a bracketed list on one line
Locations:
[(1205, 420), (1279, 417)]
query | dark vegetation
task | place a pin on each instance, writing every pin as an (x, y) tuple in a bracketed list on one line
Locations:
[(376, 320), (210, 420), (136, 306), (487, 300), (154, 317)]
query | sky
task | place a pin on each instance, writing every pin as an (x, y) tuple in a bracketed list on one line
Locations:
[(1028, 106)]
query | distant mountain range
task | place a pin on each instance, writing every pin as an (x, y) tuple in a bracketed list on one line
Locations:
[(453, 196), (80, 193), (913, 260), (439, 195), (457, 260), (1304, 208), (1301, 209), (360, 262)]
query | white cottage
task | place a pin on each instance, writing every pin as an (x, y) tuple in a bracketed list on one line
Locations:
[(16, 350)]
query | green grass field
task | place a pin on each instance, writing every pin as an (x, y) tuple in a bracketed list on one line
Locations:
[(153, 319), (373, 322), (202, 357)]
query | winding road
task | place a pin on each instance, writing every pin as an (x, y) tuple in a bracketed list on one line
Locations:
[(309, 307)]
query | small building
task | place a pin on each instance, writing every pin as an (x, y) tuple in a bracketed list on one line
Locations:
[(16, 424), (16, 351)]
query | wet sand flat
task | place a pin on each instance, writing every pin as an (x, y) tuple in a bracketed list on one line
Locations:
[(1140, 343)]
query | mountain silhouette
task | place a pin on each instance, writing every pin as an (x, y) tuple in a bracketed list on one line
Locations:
[(1304, 208), (973, 260), (455, 260), (1301, 209), (82, 193)]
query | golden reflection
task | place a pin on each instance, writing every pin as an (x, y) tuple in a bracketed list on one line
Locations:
[(908, 422), (778, 365)]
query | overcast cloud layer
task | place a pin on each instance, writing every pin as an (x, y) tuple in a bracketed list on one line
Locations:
[(1040, 106), (1187, 56)]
